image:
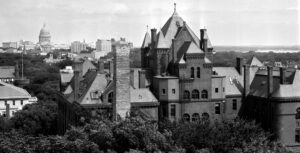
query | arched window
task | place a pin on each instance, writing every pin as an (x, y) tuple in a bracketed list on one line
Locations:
[(198, 72), (204, 94), (186, 117), (110, 97), (195, 117), (192, 72), (205, 116), (298, 113), (195, 94), (186, 95)]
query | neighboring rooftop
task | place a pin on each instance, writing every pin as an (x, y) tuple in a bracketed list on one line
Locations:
[(8, 91), (7, 71)]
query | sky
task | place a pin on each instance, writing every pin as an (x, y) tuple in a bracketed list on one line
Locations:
[(228, 22)]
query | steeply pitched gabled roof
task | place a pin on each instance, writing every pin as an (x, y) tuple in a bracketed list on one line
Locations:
[(254, 62), (147, 40), (193, 49), (169, 30)]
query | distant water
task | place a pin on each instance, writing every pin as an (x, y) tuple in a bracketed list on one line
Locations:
[(277, 51), (259, 49)]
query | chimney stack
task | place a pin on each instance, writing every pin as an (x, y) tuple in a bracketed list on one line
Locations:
[(246, 81), (142, 79), (101, 66), (202, 34), (205, 45), (270, 82), (239, 64), (76, 84), (78, 66), (153, 37), (282, 75)]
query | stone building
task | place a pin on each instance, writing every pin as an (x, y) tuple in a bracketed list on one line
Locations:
[(77, 46)]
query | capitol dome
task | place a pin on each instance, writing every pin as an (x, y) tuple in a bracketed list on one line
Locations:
[(44, 31)]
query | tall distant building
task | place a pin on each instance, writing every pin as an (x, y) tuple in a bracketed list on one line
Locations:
[(120, 43), (77, 46), (44, 40), (103, 45)]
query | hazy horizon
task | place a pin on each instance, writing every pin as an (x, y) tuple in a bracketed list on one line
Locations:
[(229, 23)]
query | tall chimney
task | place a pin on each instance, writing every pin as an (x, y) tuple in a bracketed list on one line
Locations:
[(76, 84), (205, 45), (202, 33), (239, 64), (270, 82), (282, 75), (246, 81), (101, 66), (153, 37), (173, 50), (142, 79), (78, 66)]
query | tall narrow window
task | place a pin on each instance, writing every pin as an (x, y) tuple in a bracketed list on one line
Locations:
[(217, 108), (195, 94), (173, 91), (110, 97), (198, 72), (216, 90), (192, 72), (204, 94), (173, 110), (186, 95), (186, 117), (163, 91), (234, 104), (297, 136)]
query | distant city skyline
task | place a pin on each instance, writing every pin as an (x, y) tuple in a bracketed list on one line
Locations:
[(230, 22)]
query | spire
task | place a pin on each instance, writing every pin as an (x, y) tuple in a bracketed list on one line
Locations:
[(174, 7), (175, 13)]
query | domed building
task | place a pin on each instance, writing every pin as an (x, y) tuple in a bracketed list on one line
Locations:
[(44, 40)]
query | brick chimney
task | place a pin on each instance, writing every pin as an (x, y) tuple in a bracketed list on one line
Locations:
[(246, 81), (76, 84), (270, 82), (153, 37), (78, 66), (202, 33), (239, 65), (282, 75), (142, 79), (101, 66)]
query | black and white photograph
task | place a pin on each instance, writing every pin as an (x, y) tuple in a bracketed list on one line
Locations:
[(149, 76)]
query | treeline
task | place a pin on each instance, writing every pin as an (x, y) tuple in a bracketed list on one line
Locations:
[(135, 134)]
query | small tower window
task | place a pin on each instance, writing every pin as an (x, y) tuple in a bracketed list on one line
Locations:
[(192, 72), (217, 108), (234, 104), (198, 72)]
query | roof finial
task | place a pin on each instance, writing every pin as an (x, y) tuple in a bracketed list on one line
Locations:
[(147, 28), (174, 7)]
